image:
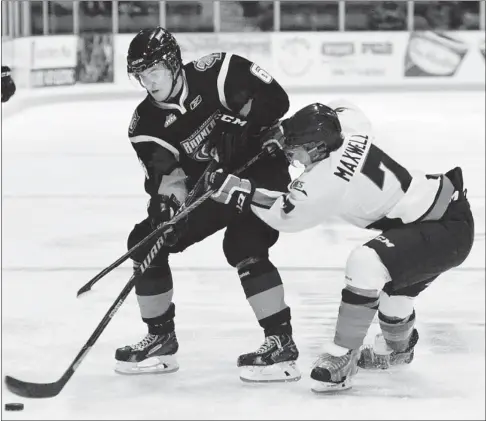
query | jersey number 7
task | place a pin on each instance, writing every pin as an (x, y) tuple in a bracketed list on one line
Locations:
[(375, 171)]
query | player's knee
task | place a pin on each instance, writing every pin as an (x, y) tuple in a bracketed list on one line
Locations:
[(261, 262), (395, 306), (365, 270), (249, 238), (138, 233)]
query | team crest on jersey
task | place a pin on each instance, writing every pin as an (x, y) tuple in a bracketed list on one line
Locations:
[(195, 145), (133, 122), (206, 62), (169, 120)]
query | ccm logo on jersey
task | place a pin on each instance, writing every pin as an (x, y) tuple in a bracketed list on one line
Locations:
[(233, 120), (385, 241)]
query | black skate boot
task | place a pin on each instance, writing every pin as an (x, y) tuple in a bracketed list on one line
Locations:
[(334, 373), (380, 356), (153, 354), (274, 361)]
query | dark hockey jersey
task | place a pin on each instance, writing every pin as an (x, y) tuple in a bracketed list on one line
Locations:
[(168, 136)]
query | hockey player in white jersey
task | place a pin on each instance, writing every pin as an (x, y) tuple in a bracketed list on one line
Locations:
[(425, 222)]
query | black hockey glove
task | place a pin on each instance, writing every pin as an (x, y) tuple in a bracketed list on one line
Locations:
[(228, 140), (231, 190), (162, 209), (8, 85), (273, 138)]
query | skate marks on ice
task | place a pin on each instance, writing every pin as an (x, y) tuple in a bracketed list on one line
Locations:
[(44, 326)]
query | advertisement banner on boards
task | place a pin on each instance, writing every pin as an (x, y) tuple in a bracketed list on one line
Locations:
[(53, 61), (352, 59), (255, 47), (306, 59), (95, 58), (434, 54), (54, 52), (458, 55), (40, 78)]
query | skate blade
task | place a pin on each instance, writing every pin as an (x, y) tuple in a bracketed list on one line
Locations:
[(325, 387), (163, 364), (376, 365), (275, 373)]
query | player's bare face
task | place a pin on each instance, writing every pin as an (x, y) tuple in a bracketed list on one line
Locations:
[(157, 80)]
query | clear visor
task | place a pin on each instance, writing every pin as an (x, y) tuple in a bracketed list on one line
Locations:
[(305, 154), (297, 156), (158, 75)]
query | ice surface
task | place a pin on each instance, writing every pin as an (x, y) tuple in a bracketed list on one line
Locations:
[(65, 217)]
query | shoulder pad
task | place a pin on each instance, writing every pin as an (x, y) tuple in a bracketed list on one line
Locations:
[(204, 63)]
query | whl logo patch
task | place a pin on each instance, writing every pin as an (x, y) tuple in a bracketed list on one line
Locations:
[(169, 120)]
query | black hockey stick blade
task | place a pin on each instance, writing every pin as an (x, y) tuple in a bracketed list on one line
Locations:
[(191, 197), (33, 390), (83, 289)]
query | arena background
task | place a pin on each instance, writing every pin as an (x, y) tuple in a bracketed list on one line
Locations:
[(416, 68)]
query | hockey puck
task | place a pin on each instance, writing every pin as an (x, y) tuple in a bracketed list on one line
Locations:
[(14, 406)]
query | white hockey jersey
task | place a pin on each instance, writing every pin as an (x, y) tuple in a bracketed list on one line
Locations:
[(358, 182)]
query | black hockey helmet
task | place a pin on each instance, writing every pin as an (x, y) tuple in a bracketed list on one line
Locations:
[(152, 46), (316, 128)]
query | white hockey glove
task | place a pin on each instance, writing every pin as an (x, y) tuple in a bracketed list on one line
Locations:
[(231, 190)]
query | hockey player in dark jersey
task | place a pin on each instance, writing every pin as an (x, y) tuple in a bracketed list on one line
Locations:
[(8, 85), (226, 102)]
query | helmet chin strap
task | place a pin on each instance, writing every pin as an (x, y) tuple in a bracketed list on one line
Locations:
[(175, 78), (174, 82)]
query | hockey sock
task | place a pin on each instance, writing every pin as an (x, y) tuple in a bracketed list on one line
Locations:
[(265, 292), (356, 313)]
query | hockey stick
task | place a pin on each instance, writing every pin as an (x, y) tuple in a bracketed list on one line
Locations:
[(157, 232), (49, 390)]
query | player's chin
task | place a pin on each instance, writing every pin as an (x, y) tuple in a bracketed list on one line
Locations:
[(158, 95)]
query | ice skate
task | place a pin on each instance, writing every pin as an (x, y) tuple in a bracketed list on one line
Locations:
[(153, 354), (274, 361), (380, 356), (334, 373)]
